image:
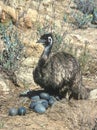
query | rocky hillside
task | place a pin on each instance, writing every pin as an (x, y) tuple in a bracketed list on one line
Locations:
[(21, 24), (33, 18)]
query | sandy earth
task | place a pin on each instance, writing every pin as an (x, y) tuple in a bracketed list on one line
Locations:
[(63, 115)]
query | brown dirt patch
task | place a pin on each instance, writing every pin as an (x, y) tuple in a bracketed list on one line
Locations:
[(63, 115)]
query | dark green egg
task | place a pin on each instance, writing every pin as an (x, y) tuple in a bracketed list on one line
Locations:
[(21, 111), (13, 112)]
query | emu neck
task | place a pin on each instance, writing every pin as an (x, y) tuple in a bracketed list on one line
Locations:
[(46, 52), (45, 55)]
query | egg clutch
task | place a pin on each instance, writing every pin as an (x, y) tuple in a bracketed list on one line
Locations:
[(39, 103)]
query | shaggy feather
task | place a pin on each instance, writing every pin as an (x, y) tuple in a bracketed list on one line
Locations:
[(59, 73)]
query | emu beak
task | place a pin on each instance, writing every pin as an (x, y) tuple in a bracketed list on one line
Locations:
[(41, 41)]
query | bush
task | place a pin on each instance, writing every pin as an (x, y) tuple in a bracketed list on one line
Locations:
[(82, 20), (12, 52), (86, 6)]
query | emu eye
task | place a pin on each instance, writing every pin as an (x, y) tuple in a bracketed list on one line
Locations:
[(49, 39)]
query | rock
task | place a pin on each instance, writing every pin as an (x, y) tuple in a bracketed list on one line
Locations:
[(32, 48), (4, 87), (11, 11), (58, 24), (17, 15), (93, 94), (32, 14), (15, 3), (7, 11), (0, 10), (29, 62), (5, 83), (76, 43), (28, 22), (1, 46), (30, 17), (24, 74), (46, 2), (25, 77)]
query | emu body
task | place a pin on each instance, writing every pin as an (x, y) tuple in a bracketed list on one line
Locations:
[(59, 73)]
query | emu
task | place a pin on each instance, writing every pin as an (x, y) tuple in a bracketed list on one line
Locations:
[(59, 73)]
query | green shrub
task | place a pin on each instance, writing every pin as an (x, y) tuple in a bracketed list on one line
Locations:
[(10, 56), (82, 20), (86, 6), (84, 58)]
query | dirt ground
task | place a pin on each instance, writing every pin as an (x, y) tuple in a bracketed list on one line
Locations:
[(63, 115)]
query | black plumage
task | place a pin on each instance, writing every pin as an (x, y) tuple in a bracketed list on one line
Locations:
[(59, 73)]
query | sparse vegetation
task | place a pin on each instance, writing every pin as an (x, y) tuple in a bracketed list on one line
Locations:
[(86, 6), (84, 58), (1, 125), (87, 13), (10, 56), (82, 20), (62, 45), (63, 18)]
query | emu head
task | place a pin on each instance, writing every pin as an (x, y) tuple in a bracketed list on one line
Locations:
[(46, 40)]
